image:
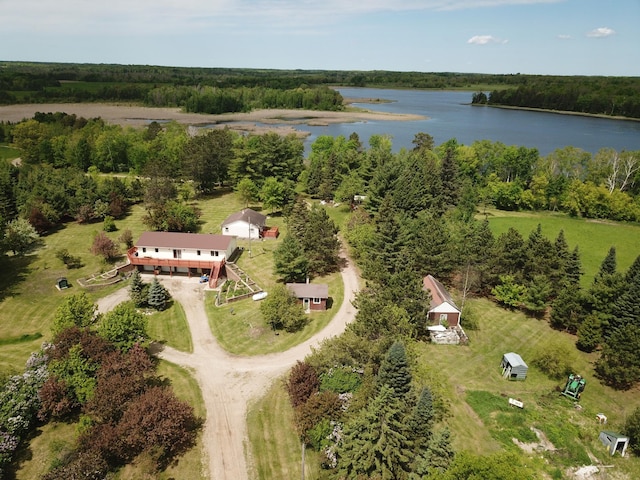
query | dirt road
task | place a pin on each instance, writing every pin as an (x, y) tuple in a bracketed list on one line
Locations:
[(229, 382)]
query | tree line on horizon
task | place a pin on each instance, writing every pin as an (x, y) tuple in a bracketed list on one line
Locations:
[(220, 90)]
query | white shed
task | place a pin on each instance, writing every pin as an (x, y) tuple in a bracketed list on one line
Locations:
[(615, 442), (513, 367)]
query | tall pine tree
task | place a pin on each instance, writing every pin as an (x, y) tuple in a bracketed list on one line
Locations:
[(374, 443), (394, 370)]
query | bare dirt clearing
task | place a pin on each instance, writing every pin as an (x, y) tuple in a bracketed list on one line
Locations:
[(229, 382)]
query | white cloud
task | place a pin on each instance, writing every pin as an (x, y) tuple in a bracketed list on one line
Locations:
[(485, 40), (562, 36), (601, 32)]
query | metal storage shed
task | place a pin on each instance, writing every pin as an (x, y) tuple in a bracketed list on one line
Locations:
[(513, 367), (615, 442)]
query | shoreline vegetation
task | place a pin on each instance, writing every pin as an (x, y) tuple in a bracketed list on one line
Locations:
[(559, 112)]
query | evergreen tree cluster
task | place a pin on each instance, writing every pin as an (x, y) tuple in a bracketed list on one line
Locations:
[(311, 247), (384, 426)]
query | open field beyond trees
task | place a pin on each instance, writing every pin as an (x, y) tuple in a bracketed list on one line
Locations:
[(593, 237)]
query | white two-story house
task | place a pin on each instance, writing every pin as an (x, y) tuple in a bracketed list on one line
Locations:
[(182, 253)]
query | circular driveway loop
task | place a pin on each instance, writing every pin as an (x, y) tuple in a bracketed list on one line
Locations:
[(229, 382)]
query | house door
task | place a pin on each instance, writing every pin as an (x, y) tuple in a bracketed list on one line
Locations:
[(177, 254), (305, 303)]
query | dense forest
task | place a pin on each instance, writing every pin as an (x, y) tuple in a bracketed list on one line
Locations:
[(219, 90), (593, 95)]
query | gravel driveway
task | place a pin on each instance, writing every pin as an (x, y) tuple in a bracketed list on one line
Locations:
[(229, 382)]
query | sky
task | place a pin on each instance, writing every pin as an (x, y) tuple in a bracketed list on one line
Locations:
[(548, 37)]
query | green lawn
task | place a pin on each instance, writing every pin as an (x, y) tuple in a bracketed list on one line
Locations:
[(275, 448), (477, 394), (594, 238), (8, 153), (241, 330), (170, 328)]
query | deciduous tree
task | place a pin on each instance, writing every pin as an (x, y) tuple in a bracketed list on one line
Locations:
[(123, 326), (75, 310), (303, 382), (19, 236), (104, 246)]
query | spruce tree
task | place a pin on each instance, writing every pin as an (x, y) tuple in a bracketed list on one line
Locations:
[(290, 262), (627, 306), (567, 310), (137, 291), (394, 370), (158, 295), (440, 452), (383, 254), (539, 254), (509, 253), (573, 269), (609, 264), (559, 261), (374, 443), (421, 420), (449, 172), (589, 333), (619, 363)]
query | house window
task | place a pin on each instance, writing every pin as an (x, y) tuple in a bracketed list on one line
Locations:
[(443, 318), (156, 250), (144, 249), (214, 253), (198, 252), (226, 229), (316, 301)]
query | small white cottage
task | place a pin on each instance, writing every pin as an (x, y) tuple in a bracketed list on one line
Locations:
[(245, 224)]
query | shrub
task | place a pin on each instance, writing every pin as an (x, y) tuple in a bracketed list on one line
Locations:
[(127, 238), (109, 224), (555, 361), (69, 260), (632, 430), (341, 380)]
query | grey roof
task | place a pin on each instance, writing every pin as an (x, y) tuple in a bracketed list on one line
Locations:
[(439, 293), (309, 290), (514, 360), (247, 215), (202, 241)]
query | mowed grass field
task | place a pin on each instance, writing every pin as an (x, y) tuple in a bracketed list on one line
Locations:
[(594, 238)]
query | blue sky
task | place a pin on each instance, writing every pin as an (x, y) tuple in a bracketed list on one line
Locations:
[(559, 37)]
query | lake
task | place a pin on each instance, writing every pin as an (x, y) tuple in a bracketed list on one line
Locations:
[(450, 115)]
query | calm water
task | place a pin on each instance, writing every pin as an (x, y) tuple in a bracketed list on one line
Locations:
[(450, 116)]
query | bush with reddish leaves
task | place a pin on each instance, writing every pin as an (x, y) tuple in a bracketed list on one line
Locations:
[(302, 383)]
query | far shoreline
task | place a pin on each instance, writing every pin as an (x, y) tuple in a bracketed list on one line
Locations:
[(558, 112)]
